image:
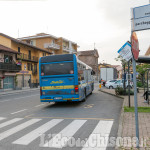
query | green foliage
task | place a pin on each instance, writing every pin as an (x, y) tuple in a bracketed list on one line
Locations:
[(142, 68), (120, 91), (140, 109), (119, 58), (139, 84)]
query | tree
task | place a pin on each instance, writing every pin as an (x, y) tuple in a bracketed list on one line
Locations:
[(141, 68), (124, 64)]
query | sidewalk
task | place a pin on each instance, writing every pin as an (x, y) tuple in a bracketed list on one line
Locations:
[(17, 91), (127, 120)]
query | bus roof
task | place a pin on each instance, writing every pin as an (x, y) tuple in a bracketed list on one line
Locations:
[(64, 57), (57, 58)]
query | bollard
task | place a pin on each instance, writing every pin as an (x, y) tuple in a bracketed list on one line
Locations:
[(100, 85)]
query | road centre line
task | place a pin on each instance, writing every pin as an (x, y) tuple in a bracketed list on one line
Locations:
[(18, 98), (39, 105), (2, 118), (2, 95), (32, 117), (18, 111)]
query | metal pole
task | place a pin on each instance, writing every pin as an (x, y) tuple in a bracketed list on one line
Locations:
[(135, 102), (106, 74), (148, 88), (129, 83), (124, 82)]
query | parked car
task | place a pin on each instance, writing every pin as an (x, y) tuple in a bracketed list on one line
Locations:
[(109, 84), (119, 83)]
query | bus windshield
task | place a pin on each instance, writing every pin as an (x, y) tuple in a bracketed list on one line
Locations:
[(57, 68)]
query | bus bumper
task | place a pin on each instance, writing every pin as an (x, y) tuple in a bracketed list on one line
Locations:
[(60, 100)]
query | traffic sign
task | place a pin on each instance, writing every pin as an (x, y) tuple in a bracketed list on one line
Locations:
[(125, 51), (135, 46), (140, 18)]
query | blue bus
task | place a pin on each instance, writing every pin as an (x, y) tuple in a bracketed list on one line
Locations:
[(64, 78)]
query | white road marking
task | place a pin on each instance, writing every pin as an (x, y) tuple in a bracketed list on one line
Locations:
[(21, 92), (103, 129), (18, 111), (4, 101), (18, 98), (9, 122), (2, 118), (17, 128), (68, 132), (28, 138), (39, 105)]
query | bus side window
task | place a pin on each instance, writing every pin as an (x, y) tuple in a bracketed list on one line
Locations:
[(89, 75), (80, 75), (86, 75)]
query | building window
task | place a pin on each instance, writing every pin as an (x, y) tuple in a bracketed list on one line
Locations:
[(29, 55), (18, 49), (35, 67), (53, 41), (29, 66), (8, 59), (31, 42), (44, 54)]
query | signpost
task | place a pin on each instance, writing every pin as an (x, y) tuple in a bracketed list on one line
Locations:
[(140, 18), (140, 21), (135, 52)]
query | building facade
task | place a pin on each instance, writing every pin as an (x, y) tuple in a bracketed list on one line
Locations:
[(90, 57), (27, 56), (8, 67), (53, 44)]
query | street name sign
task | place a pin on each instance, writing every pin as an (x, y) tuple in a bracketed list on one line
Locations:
[(135, 46), (140, 18), (125, 51)]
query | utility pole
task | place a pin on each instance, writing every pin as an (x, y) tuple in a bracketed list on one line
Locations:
[(129, 82)]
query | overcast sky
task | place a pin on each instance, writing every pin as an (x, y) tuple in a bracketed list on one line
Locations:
[(103, 22)]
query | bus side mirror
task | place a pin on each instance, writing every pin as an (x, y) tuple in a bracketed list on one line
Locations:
[(92, 72)]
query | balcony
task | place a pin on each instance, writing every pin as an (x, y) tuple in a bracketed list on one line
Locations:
[(52, 46), (66, 49), (10, 67), (26, 57)]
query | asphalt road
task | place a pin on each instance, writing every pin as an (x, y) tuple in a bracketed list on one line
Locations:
[(28, 124)]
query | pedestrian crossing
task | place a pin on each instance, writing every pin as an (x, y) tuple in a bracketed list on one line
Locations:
[(16, 125)]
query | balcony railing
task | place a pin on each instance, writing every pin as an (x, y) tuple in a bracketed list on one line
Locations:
[(27, 57), (66, 49), (10, 67), (52, 46)]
